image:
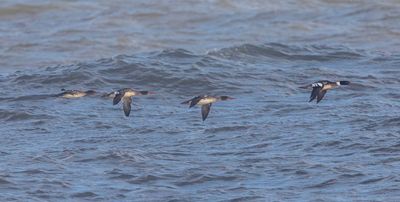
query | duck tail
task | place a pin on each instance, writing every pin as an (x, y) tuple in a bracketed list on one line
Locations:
[(305, 87)]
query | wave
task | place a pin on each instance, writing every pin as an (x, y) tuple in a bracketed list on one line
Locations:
[(289, 52), (181, 72)]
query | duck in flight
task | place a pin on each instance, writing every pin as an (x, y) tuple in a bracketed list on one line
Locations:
[(321, 87), (126, 95), (75, 93), (205, 101)]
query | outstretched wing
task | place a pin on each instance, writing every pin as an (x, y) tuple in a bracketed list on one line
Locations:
[(186, 102), (195, 101), (192, 102), (109, 95), (205, 109), (314, 93), (321, 95), (126, 102), (118, 96)]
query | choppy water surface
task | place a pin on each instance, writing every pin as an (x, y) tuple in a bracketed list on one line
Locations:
[(269, 144)]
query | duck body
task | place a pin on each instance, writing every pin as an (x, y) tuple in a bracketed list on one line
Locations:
[(126, 95), (205, 101), (321, 87), (75, 93)]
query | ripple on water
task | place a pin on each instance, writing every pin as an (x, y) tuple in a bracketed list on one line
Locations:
[(86, 194), (11, 116), (196, 178), (4, 181)]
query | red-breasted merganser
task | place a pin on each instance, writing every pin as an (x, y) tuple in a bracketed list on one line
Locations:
[(321, 87), (205, 101), (126, 95), (75, 93)]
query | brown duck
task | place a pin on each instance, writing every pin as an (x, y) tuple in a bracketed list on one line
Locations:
[(205, 101), (126, 95), (321, 87)]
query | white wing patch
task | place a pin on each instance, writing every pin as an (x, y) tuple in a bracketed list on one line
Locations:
[(317, 84)]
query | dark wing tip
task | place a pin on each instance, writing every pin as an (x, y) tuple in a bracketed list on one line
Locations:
[(321, 95), (126, 112), (314, 93), (127, 105), (204, 116), (205, 109)]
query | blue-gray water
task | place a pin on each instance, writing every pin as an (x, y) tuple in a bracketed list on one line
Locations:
[(269, 144)]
